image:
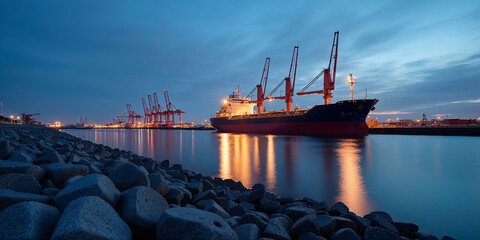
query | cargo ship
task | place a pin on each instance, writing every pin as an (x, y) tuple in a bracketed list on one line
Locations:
[(343, 118)]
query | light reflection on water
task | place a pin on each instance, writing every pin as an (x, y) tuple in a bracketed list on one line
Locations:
[(414, 178)]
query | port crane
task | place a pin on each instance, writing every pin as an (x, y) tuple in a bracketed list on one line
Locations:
[(159, 110), (148, 115), (261, 87), (289, 87), (171, 110), (27, 118), (133, 117), (328, 75)]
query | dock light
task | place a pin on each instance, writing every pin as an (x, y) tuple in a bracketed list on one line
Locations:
[(225, 101)]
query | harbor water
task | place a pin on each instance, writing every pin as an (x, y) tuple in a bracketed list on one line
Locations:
[(433, 181)]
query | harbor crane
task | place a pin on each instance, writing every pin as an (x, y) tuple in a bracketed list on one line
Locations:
[(328, 75), (148, 115), (289, 87), (171, 110), (261, 87), (27, 118), (159, 110), (133, 117)]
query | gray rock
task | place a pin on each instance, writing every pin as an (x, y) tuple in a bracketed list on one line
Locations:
[(424, 236), (342, 222), (376, 233), (51, 157), (278, 228), (237, 210), (228, 204), (338, 209), (303, 225), (60, 172), (90, 218), (141, 208), (406, 229), (209, 194), (253, 218), (129, 175), (70, 180), (361, 223), (174, 196), (4, 149), (20, 182), (51, 192), (326, 224), (187, 196), (19, 156), (213, 207), (381, 214), (165, 164), (247, 205), (233, 221), (268, 205), (9, 198), (345, 234), (28, 220), (157, 182), (385, 224), (296, 212), (311, 236), (195, 187), (91, 185), (74, 158), (320, 206), (282, 215), (20, 167), (256, 195), (189, 223), (248, 232)]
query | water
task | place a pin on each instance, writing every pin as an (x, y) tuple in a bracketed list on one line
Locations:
[(432, 181)]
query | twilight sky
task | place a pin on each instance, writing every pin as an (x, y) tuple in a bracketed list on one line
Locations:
[(66, 59)]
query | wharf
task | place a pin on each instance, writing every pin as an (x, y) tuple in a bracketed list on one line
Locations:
[(427, 130)]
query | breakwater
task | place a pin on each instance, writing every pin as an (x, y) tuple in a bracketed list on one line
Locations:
[(122, 195)]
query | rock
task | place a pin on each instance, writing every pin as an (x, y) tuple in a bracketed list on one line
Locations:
[(296, 213), (60, 172), (320, 206), (326, 224), (165, 164), (19, 156), (51, 157), (189, 223), (209, 194), (207, 185), (90, 218), (28, 220), (213, 207), (233, 221), (424, 236), (342, 222), (91, 185), (227, 204), (256, 195), (9, 198), (345, 234), (237, 210), (187, 196), (50, 192), (269, 206), (74, 158), (376, 233), (338, 209), (382, 214), (361, 223), (253, 218), (129, 175), (20, 182), (310, 236), (278, 228), (141, 207), (385, 224), (447, 238), (174, 196), (231, 195), (258, 186), (157, 182), (406, 229), (303, 225), (195, 187), (20, 167), (282, 215), (248, 232), (309, 201), (70, 180), (4, 149)]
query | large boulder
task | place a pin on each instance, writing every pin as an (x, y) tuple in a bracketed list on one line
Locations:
[(20, 182), (60, 172), (326, 224), (4, 149), (52, 156), (21, 167), (213, 207), (376, 233), (90, 218), (248, 232), (298, 212), (278, 228), (20, 156), (345, 234), (129, 175), (190, 223), (91, 185), (9, 198), (303, 225), (338, 209), (141, 207), (157, 182), (28, 220)]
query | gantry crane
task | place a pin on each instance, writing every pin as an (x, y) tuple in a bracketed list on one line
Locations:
[(27, 118), (289, 87), (133, 117), (159, 120), (171, 110), (261, 87), (148, 115), (328, 75)]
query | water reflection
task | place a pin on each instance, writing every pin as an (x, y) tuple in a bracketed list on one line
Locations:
[(351, 187)]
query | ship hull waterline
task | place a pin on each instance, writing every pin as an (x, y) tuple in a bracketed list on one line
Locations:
[(344, 118)]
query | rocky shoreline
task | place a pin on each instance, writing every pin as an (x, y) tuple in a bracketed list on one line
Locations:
[(56, 186)]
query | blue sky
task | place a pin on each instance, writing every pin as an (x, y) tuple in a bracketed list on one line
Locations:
[(66, 59)]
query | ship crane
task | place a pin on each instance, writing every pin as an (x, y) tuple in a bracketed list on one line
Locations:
[(261, 87), (159, 110), (289, 87), (133, 117), (328, 75), (148, 115), (171, 110)]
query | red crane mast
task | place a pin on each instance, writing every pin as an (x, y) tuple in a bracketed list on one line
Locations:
[(148, 116), (328, 80), (171, 110), (289, 87), (158, 109), (261, 87)]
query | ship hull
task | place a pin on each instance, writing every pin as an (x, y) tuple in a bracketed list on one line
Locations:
[(344, 118)]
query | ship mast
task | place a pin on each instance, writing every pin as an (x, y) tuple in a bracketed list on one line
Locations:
[(351, 81)]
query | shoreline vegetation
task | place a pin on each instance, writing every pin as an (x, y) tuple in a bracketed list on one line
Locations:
[(56, 186)]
